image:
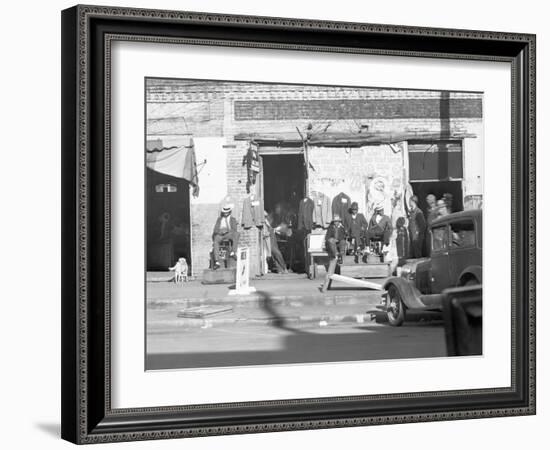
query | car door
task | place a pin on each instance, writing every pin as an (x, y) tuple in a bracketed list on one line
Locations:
[(463, 250), (439, 258)]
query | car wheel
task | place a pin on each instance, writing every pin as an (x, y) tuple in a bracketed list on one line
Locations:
[(395, 307), (471, 282)]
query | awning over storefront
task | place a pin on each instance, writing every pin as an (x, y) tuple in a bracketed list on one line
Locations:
[(343, 139), (177, 161)]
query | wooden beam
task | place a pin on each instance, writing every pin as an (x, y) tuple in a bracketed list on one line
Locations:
[(356, 282)]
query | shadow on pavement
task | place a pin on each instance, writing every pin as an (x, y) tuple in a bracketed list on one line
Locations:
[(306, 347), (301, 346), (279, 321)]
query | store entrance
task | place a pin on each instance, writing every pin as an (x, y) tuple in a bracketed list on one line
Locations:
[(168, 221), (284, 186)]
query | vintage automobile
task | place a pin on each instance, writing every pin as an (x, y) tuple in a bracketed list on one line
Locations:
[(455, 260)]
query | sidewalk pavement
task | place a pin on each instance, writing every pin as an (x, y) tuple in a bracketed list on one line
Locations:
[(279, 301)]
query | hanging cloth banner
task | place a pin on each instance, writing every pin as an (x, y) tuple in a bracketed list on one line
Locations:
[(177, 161), (252, 162)]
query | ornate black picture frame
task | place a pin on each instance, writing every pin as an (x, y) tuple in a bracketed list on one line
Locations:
[(87, 34)]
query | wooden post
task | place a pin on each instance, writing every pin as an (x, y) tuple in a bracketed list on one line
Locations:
[(330, 273)]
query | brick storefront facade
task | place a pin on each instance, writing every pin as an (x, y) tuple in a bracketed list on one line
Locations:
[(219, 116)]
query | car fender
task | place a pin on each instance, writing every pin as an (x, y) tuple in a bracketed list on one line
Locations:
[(470, 270), (409, 294)]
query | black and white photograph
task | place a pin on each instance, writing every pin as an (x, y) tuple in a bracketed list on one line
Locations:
[(275, 225), (299, 224)]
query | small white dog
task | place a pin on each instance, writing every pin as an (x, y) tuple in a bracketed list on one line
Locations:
[(180, 269)]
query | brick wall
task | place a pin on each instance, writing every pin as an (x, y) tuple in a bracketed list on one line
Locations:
[(179, 106), (431, 108), (186, 90), (200, 118), (236, 189), (203, 218)]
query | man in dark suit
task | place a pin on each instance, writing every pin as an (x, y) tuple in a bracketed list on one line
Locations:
[(335, 243), (356, 227), (417, 228), (335, 238), (225, 229)]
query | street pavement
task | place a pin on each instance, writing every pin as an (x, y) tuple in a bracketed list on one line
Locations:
[(287, 321), (226, 346)]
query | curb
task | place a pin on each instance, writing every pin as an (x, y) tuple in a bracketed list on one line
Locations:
[(279, 322), (277, 300)]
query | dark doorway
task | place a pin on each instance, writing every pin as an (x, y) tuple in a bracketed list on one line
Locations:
[(283, 188), (168, 221), (423, 188), (284, 184)]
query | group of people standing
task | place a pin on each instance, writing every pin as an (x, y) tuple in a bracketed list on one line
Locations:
[(411, 238), (418, 225)]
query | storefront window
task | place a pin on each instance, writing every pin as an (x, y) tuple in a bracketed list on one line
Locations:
[(435, 161)]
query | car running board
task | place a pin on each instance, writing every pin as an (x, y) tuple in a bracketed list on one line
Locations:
[(432, 300)]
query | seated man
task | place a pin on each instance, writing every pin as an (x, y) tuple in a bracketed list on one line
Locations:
[(335, 239), (379, 228), (225, 229), (356, 227)]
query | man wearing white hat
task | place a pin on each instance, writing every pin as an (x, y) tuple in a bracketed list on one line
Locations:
[(225, 229), (379, 228)]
